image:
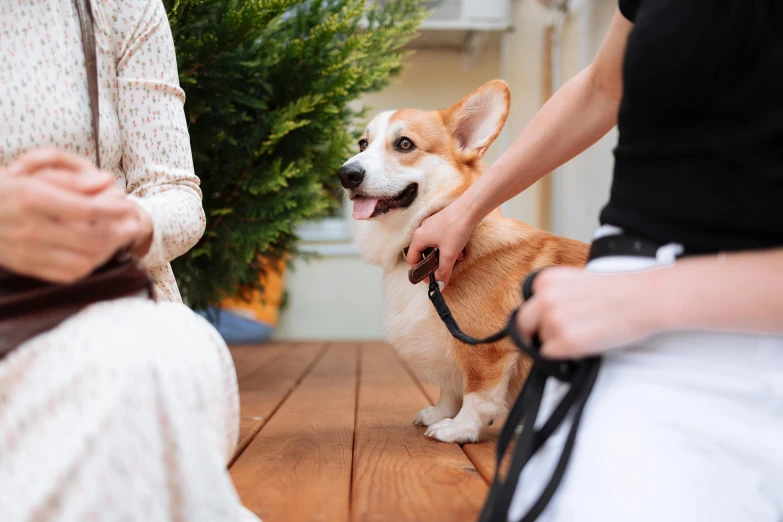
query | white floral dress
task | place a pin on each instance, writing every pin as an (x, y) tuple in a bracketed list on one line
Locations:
[(128, 410)]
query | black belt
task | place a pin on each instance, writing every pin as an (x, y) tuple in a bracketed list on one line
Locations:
[(625, 245)]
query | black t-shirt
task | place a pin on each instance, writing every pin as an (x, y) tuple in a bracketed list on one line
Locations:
[(699, 158)]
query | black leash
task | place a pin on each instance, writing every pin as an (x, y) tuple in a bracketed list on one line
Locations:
[(581, 374)]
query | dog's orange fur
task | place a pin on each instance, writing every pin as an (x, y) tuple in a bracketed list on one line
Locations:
[(485, 285), (485, 288)]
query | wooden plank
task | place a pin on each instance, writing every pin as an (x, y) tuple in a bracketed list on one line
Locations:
[(249, 358), (430, 389), (262, 390), (399, 474), (482, 455), (298, 468), (246, 426), (248, 429)]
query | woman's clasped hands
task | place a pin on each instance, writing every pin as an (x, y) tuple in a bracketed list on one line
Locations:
[(61, 217)]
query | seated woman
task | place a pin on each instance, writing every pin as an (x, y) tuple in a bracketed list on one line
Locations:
[(128, 409)]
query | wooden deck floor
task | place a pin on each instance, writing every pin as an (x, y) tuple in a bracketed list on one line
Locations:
[(327, 435)]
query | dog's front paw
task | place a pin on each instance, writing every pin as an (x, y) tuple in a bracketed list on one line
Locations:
[(429, 416), (453, 430)]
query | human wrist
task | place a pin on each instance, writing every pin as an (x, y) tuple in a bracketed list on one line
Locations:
[(470, 207), (143, 240), (666, 303)]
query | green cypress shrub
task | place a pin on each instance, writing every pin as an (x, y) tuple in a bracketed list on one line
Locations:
[(269, 86)]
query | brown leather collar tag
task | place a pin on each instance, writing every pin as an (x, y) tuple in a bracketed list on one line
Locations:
[(425, 267)]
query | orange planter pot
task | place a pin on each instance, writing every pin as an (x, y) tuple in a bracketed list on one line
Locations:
[(262, 307)]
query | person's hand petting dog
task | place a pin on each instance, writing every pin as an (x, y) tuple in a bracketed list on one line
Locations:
[(61, 217), (431, 234)]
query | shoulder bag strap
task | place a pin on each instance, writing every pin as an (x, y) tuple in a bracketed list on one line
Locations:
[(91, 60)]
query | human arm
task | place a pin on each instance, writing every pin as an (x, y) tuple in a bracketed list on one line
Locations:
[(578, 314), (576, 116), (156, 155)]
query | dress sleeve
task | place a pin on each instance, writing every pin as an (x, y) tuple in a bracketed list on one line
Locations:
[(156, 156), (629, 8)]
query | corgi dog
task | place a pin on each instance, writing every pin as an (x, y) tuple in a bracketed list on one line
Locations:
[(412, 164)]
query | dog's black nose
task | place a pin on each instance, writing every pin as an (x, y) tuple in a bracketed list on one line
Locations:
[(351, 176)]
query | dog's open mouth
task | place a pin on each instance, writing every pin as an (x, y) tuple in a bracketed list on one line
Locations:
[(366, 207)]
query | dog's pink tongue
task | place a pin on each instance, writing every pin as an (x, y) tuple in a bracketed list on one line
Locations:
[(364, 207)]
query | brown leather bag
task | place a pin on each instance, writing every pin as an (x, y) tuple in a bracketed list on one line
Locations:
[(28, 306)]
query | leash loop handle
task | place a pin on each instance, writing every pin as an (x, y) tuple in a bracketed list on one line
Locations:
[(521, 421)]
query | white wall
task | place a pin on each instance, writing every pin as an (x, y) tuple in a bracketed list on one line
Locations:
[(582, 185), (525, 48)]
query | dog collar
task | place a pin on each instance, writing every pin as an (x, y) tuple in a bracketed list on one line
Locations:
[(425, 267)]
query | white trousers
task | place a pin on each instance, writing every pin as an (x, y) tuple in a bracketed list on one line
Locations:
[(684, 427), (127, 411)]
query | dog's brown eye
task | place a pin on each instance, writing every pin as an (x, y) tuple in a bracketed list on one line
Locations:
[(362, 145), (405, 144)]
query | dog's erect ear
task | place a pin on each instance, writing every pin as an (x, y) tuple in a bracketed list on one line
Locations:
[(479, 117)]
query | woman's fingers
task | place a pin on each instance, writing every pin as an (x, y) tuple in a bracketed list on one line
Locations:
[(547, 312), (86, 182), (528, 319), (446, 257), (62, 169), (56, 265), (446, 260), (51, 158), (58, 235), (417, 248), (91, 239), (54, 255), (41, 198), (446, 231)]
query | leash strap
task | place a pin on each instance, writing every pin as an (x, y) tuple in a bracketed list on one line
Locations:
[(522, 418), (451, 324), (581, 374)]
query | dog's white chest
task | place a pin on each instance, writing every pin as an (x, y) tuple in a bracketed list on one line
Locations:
[(406, 307), (412, 326)]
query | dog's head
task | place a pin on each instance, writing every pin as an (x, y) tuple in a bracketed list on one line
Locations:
[(412, 163)]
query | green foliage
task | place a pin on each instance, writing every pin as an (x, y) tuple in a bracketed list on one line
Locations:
[(269, 87)]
